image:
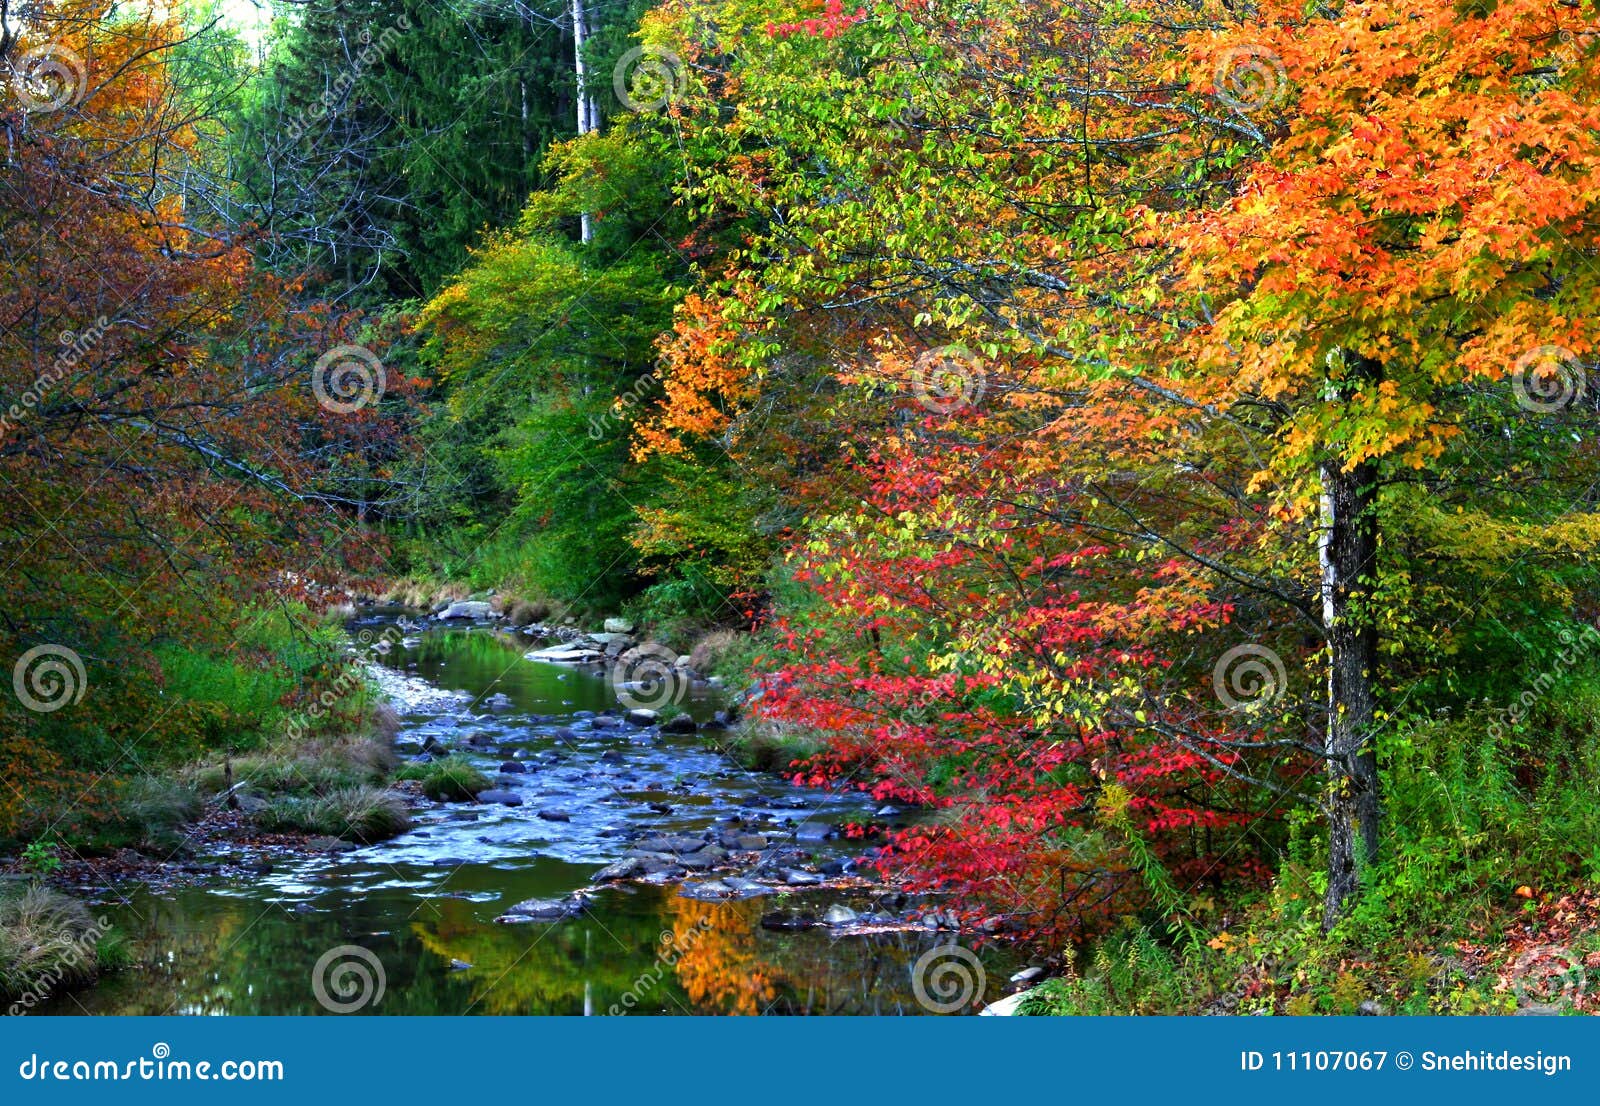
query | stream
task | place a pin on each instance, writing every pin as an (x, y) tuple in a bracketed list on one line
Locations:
[(409, 925)]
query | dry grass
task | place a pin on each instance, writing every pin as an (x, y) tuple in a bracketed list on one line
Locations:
[(47, 940), (312, 766)]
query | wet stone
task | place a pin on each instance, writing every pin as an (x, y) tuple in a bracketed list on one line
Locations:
[(496, 795)]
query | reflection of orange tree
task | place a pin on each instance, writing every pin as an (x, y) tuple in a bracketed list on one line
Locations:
[(720, 967)]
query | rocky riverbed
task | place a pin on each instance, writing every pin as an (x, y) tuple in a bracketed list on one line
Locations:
[(653, 797), (619, 861)]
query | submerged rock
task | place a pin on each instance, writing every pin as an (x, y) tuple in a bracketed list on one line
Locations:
[(711, 890), (544, 910), (498, 795)]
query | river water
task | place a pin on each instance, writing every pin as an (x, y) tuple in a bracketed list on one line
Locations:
[(408, 926)]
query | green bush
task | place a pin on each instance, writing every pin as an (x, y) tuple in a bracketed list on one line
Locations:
[(1129, 973), (448, 779), (765, 747), (1476, 808)]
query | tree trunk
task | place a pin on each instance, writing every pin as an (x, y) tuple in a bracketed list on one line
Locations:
[(1348, 554), (586, 105)]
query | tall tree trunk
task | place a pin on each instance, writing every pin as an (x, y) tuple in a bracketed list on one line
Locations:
[(1348, 555), (586, 104)]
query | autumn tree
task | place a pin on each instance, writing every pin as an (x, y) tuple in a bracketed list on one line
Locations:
[(149, 375), (1408, 261)]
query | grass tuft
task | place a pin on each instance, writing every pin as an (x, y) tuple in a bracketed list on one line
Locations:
[(359, 814), (448, 779)]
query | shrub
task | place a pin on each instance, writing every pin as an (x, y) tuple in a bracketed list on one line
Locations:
[(525, 612), (448, 779), (1131, 973), (764, 746)]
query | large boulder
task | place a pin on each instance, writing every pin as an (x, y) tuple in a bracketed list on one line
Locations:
[(467, 608), (618, 626)]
